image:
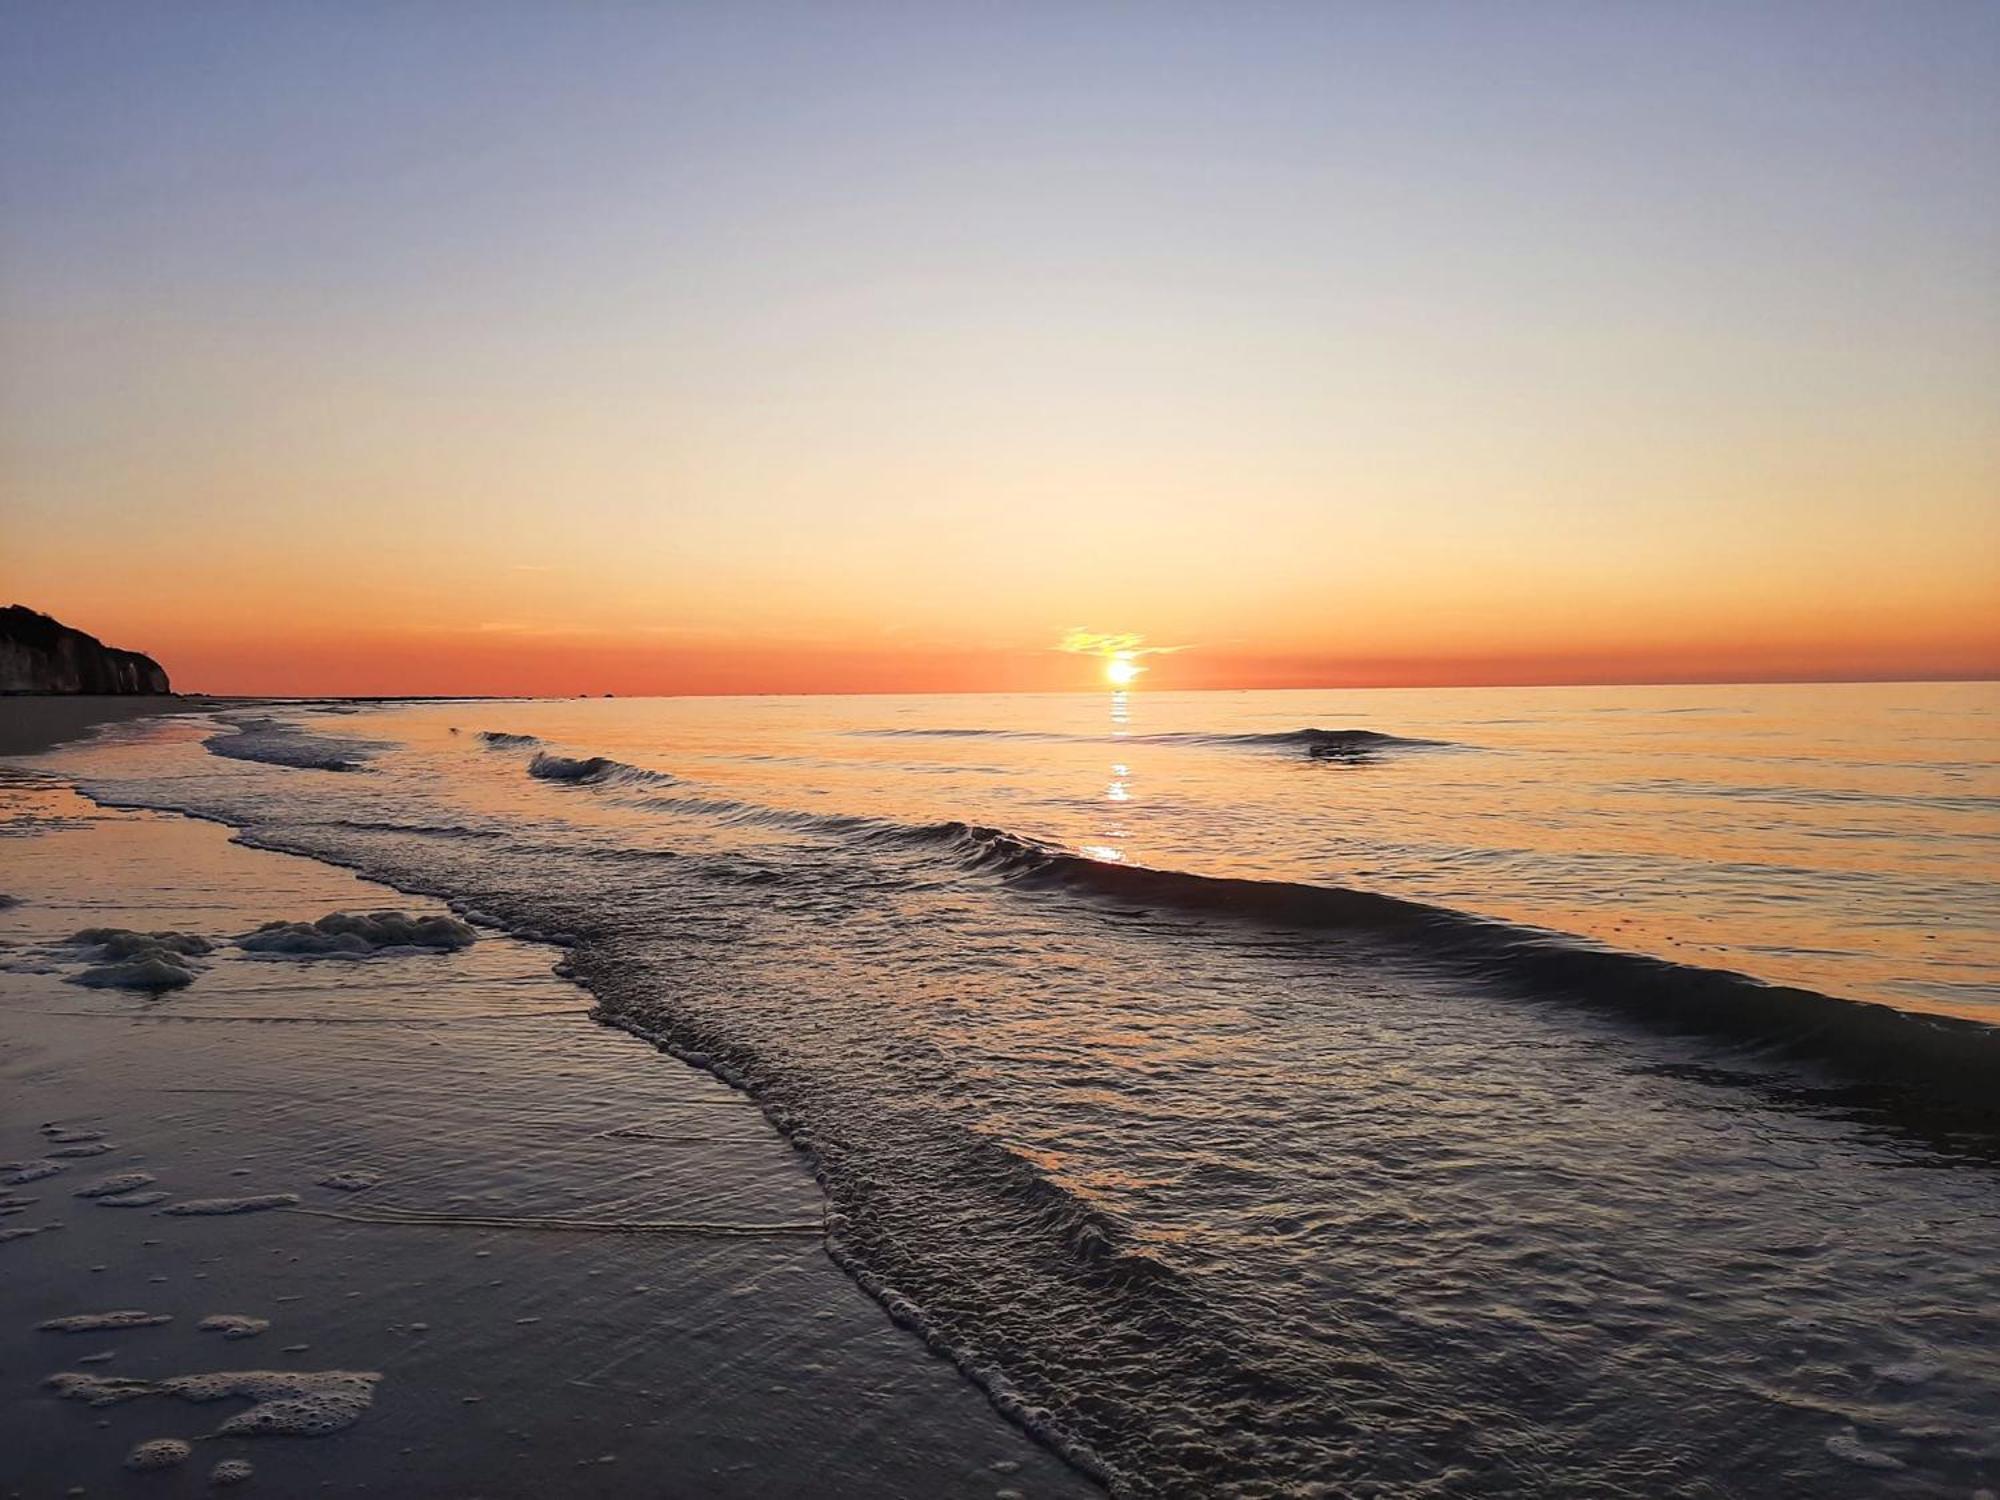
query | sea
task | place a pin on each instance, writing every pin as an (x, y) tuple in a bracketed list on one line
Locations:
[(1554, 1092)]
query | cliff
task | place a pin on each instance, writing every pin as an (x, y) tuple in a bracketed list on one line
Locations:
[(41, 655)]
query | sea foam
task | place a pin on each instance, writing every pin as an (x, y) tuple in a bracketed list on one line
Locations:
[(347, 935)]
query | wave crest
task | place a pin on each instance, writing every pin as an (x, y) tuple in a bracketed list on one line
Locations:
[(272, 742), (1944, 1055), (594, 770), (1320, 744)]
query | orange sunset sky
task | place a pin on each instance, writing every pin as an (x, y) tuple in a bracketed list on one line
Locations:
[(662, 349)]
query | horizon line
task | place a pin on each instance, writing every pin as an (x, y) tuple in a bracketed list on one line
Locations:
[(1379, 687)]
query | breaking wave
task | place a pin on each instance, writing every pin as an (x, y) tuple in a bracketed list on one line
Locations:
[(272, 742), (595, 770), (500, 740), (1866, 1040)]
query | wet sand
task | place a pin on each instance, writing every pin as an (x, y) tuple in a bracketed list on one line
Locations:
[(578, 1267), (32, 722)]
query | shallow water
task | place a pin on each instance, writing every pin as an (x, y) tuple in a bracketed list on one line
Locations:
[(1228, 1180), (580, 1269)]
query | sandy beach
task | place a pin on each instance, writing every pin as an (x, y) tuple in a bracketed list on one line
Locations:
[(33, 722), (564, 1263)]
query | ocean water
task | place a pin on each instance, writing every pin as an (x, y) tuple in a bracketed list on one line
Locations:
[(1530, 1092)]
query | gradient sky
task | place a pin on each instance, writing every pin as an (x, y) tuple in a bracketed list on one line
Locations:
[(545, 348)]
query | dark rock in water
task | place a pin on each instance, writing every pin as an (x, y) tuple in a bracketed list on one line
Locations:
[(41, 655)]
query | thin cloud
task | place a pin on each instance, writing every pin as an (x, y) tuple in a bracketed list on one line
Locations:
[(1081, 642)]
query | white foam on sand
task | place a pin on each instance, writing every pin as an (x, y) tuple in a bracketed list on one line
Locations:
[(290, 1403), (25, 1232), (114, 1185), (151, 973), (87, 1148), (231, 1471), (99, 1322), (14, 1173), (160, 1453), (254, 1203), (97, 1390), (346, 935), (132, 960), (63, 1136), (133, 1200), (108, 943), (233, 1325)]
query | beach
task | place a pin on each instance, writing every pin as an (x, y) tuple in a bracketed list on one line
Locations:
[(33, 722), (577, 1267), (968, 752), (1428, 1094)]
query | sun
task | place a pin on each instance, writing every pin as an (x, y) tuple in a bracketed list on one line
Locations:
[(1120, 670)]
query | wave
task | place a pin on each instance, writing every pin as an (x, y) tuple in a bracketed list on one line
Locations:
[(1869, 1041), (1321, 744), (595, 770), (500, 740), (1866, 1039), (274, 743)]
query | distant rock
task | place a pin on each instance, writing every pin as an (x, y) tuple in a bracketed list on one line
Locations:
[(41, 655)]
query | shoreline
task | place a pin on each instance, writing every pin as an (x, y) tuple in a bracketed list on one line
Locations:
[(678, 1307), (53, 719)]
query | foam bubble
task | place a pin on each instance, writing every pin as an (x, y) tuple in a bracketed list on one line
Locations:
[(14, 1173), (132, 1200), (1847, 1445), (160, 1453), (231, 1471), (233, 1325), (100, 1322), (132, 960), (124, 942), (289, 1403), (344, 935), (254, 1203), (157, 972), (88, 1148), (97, 1390), (116, 1183), (63, 1136)]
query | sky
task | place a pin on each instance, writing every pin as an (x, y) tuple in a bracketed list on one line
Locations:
[(478, 347)]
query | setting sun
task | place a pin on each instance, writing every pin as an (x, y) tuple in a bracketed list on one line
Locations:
[(1121, 671)]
